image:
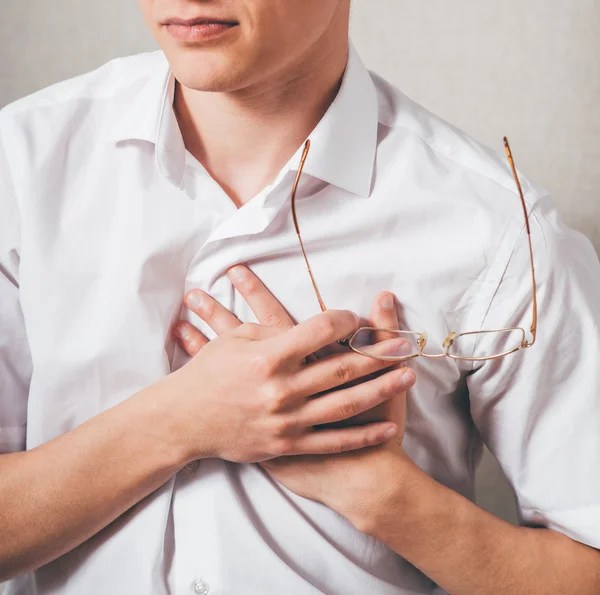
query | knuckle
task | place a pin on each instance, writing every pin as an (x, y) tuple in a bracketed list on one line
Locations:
[(283, 447), (326, 328), (250, 286), (282, 428), (263, 365), (366, 440), (270, 393), (337, 447), (381, 364), (391, 386), (343, 372), (272, 319), (275, 397), (348, 409), (349, 318), (249, 329)]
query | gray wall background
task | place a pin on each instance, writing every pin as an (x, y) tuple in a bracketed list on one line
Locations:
[(530, 70)]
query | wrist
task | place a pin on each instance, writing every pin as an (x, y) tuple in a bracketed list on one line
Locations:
[(156, 409), (388, 500)]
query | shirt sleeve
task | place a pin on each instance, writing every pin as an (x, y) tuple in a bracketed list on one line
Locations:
[(538, 410), (15, 359)]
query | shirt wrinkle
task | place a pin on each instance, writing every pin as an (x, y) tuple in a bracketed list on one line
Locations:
[(114, 257)]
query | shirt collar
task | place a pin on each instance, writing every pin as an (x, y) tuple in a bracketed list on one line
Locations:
[(150, 117), (343, 144)]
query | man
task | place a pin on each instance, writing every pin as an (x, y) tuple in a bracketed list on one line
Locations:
[(128, 465)]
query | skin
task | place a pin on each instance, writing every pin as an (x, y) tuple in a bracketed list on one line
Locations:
[(461, 547), (272, 80), (250, 92), (201, 411), (279, 70)]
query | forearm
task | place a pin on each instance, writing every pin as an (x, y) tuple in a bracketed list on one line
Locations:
[(56, 496), (468, 551)]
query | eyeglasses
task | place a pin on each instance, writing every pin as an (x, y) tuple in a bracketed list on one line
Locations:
[(399, 345)]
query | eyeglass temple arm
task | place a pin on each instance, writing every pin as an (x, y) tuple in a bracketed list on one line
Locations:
[(295, 217), (524, 205)]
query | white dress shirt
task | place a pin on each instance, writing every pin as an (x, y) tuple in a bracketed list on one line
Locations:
[(106, 221)]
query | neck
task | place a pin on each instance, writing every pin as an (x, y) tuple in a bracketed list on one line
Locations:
[(264, 124)]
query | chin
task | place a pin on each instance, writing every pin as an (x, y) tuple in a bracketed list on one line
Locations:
[(220, 68), (209, 82), (214, 70)]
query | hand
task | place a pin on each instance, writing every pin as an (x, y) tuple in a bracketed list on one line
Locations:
[(247, 396), (353, 483)]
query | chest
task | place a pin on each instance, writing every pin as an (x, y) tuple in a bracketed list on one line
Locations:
[(103, 285)]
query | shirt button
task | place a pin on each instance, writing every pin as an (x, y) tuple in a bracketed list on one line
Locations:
[(201, 588)]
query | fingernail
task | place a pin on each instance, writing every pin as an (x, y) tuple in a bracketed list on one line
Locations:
[(387, 302), (194, 300), (390, 432), (237, 273), (181, 332), (408, 378)]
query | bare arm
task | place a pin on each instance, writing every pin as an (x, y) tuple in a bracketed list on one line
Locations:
[(468, 551), (464, 549), (58, 495)]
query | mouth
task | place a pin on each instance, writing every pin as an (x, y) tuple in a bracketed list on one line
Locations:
[(200, 29)]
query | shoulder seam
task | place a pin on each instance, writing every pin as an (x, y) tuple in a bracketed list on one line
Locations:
[(31, 102), (530, 197)]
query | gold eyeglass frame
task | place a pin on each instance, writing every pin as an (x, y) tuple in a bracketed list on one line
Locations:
[(422, 337)]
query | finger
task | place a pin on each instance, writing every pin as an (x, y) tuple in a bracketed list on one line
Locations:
[(346, 403), (257, 332), (262, 302), (320, 442), (219, 318), (334, 370), (384, 315), (189, 337), (315, 333)]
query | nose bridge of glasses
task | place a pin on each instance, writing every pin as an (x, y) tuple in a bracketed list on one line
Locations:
[(422, 341), (448, 342)]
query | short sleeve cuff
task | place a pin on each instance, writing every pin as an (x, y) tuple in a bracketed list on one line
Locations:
[(580, 524)]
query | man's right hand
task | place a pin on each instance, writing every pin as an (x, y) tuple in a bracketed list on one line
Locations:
[(246, 396), (249, 395)]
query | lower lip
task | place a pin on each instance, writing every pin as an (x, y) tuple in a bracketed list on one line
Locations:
[(198, 33)]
